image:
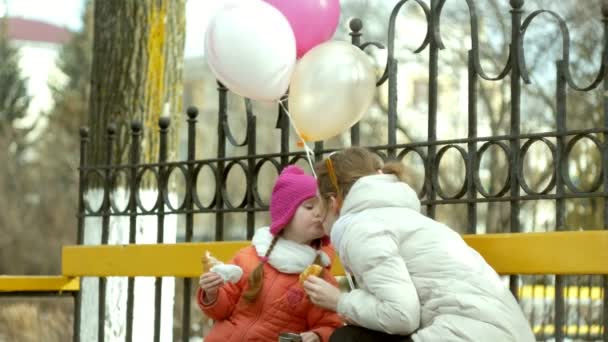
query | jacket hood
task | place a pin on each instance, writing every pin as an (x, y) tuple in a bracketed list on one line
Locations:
[(379, 191)]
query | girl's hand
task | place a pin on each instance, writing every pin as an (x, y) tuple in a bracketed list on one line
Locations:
[(310, 336), (322, 293), (210, 283)]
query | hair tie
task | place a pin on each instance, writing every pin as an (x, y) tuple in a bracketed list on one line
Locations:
[(264, 259)]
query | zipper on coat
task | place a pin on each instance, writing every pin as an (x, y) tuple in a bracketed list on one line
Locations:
[(259, 314)]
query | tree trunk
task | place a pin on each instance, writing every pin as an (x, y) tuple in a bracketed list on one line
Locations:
[(137, 72), (136, 75)]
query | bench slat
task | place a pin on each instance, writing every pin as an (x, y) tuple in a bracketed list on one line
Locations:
[(15, 283), (157, 260), (574, 252)]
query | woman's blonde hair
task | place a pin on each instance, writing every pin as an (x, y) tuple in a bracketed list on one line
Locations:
[(337, 173), (256, 278)]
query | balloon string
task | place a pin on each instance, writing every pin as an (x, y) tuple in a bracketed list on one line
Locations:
[(309, 152)]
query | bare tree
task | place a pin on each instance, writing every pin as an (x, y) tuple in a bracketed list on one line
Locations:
[(137, 71), (136, 75)]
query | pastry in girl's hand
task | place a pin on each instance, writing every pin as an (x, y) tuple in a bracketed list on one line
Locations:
[(209, 261), (228, 272), (314, 270)]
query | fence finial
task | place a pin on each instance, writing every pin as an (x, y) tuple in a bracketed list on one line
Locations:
[(355, 25), (84, 132), (136, 126), (517, 4), (164, 122), (111, 128), (192, 112)]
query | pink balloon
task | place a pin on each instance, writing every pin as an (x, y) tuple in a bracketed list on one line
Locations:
[(312, 21)]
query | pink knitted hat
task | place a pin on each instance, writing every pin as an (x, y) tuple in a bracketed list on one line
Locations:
[(291, 189)]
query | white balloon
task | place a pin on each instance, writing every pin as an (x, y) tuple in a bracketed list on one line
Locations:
[(332, 86), (251, 49)]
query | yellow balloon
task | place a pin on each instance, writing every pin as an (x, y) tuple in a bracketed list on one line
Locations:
[(331, 88)]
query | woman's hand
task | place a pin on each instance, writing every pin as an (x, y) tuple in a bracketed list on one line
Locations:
[(310, 337), (210, 282), (322, 293), (348, 320)]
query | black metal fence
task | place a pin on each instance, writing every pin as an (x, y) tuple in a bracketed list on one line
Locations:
[(514, 147)]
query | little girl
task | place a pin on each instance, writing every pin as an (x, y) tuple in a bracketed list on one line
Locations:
[(268, 299)]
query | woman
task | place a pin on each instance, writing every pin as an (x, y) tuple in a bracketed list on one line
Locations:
[(417, 280)]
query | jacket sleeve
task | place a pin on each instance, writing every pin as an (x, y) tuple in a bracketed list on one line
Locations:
[(388, 301), (227, 297), (324, 322)]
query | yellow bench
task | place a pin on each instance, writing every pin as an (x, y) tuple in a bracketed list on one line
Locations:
[(39, 284), (578, 252), (574, 252)]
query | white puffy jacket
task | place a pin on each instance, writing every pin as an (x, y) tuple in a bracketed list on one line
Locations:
[(416, 275)]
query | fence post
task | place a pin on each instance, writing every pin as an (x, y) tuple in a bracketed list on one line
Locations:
[(163, 191), (192, 118), (136, 129), (105, 225), (605, 154), (355, 26), (472, 147), (514, 141), (84, 141)]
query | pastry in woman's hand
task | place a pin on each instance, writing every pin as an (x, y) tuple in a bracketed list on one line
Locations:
[(313, 269)]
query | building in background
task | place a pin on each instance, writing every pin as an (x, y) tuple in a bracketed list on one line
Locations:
[(39, 44)]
